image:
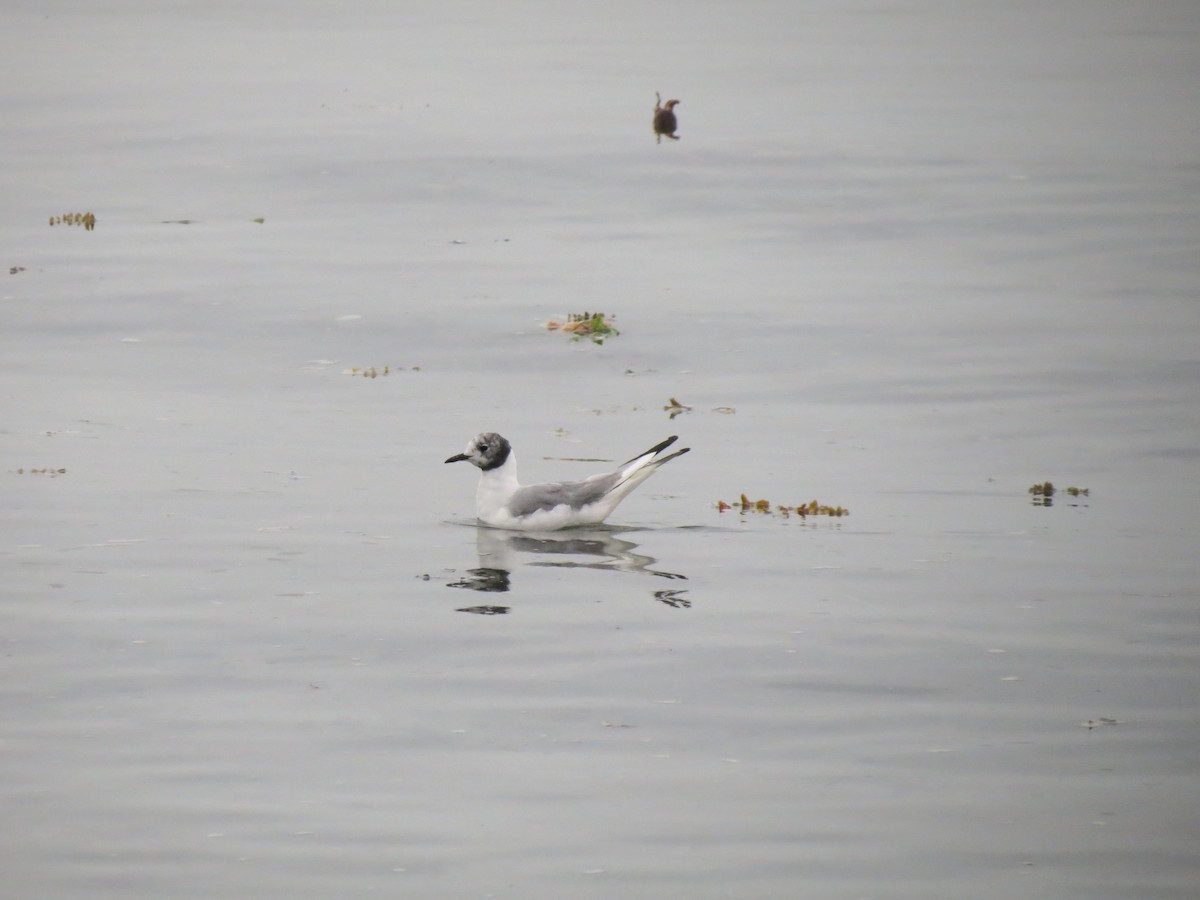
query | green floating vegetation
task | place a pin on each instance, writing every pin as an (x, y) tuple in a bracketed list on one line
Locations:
[(1043, 493), (87, 220), (372, 372), (766, 507), (593, 326)]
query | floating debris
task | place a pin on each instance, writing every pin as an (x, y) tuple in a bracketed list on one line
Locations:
[(595, 326), (803, 510), (87, 220), (52, 472), (372, 372), (674, 407), (1043, 494), (13, 270), (665, 122), (1098, 722)]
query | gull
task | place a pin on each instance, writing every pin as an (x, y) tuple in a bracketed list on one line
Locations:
[(502, 502)]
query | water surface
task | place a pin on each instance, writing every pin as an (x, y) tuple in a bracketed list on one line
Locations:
[(253, 645)]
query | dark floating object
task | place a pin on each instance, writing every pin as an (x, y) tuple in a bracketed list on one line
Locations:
[(673, 599), (664, 119), (803, 510)]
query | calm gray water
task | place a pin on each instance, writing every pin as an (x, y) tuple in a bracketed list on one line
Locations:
[(904, 258)]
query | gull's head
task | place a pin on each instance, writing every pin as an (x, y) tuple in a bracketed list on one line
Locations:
[(487, 451)]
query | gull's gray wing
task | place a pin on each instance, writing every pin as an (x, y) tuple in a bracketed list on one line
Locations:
[(575, 494)]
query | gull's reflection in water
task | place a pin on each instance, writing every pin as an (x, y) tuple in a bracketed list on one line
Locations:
[(500, 553)]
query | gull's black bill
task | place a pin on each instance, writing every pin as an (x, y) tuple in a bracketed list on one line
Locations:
[(458, 457)]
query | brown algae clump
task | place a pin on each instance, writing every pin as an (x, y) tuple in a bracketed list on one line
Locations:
[(372, 372), (1043, 494), (674, 407), (803, 510), (87, 220), (1045, 489)]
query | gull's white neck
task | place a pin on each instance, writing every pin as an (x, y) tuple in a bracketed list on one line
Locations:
[(496, 487)]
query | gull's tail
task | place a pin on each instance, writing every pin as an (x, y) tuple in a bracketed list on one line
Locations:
[(604, 492)]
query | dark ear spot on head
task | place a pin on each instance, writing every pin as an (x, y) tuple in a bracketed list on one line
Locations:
[(496, 453)]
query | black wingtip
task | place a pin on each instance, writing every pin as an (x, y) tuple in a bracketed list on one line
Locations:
[(663, 459), (657, 448)]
